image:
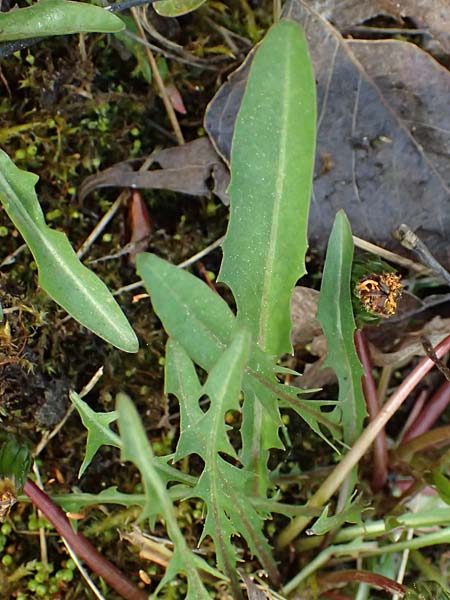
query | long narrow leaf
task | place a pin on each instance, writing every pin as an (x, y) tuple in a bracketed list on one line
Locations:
[(272, 161), (136, 448), (77, 289), (335, 314), (56, 17)]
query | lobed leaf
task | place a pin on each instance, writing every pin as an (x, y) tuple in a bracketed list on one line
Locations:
[(99, 432), (335, 314), (272, 161), (65, 279), (136, 448)]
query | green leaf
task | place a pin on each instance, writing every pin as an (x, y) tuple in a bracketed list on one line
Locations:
[(136, 448), (189, 310), (335, 314), (222, 486), (181, 380), (99, 432), (442, 485), (272, 161), (136, 48), (56, 17), (76, 501), (203, 324), (77, 289), (175, 8), (351, 514)]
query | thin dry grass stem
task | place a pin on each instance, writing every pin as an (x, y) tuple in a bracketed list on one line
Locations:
[(403, 564), (84, 549), (351, 459), (83, 572), (159, 82), (380, 454), (182, 265), (42, 538), (104, 221), (390, 256), (51, 434)]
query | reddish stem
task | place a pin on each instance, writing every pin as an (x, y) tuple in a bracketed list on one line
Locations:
[(430, 413), (81, 546), (380, 455), (360, 576)]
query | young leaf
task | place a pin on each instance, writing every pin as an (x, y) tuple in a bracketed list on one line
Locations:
[(97, 425), (222, 486), (335, 314), (181, 380), (272, 161), (189, 310), (100, 434), (56, 17), (136, 448), (77, 289), (175, 8), (203, 324)]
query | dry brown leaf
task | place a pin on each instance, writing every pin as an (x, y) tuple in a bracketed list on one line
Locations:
[(187, 169)]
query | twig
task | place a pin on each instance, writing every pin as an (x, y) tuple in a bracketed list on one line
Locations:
[(109, 214), (10, 259), (83, 547), (159, 82), (351, 459), (49, 435), (380, 455), (403, 564), (410, 240), (42, 539), (83, 571), (390, 256), (182, 265)]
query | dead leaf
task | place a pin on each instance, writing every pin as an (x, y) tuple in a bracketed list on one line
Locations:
[(254, 592), (434, 16), (305, 326), (435, 330), (382, 147), (186, 169), (139, 223)]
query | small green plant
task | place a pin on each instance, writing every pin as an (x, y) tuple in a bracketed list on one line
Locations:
[(264, 253)]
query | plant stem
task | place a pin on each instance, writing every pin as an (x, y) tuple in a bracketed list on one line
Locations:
[(366, 549), (334, 480), (380, 455), (81, 546)]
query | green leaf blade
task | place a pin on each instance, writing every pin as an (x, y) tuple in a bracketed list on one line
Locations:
[(272, 161), (57, 17), (176, 8), (335, 314), (65, 279), (136, 448), (189, 310), (97, 425)]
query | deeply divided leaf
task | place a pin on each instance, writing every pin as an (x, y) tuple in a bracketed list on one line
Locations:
[(271, 174), (335, 314), (136, 448)]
